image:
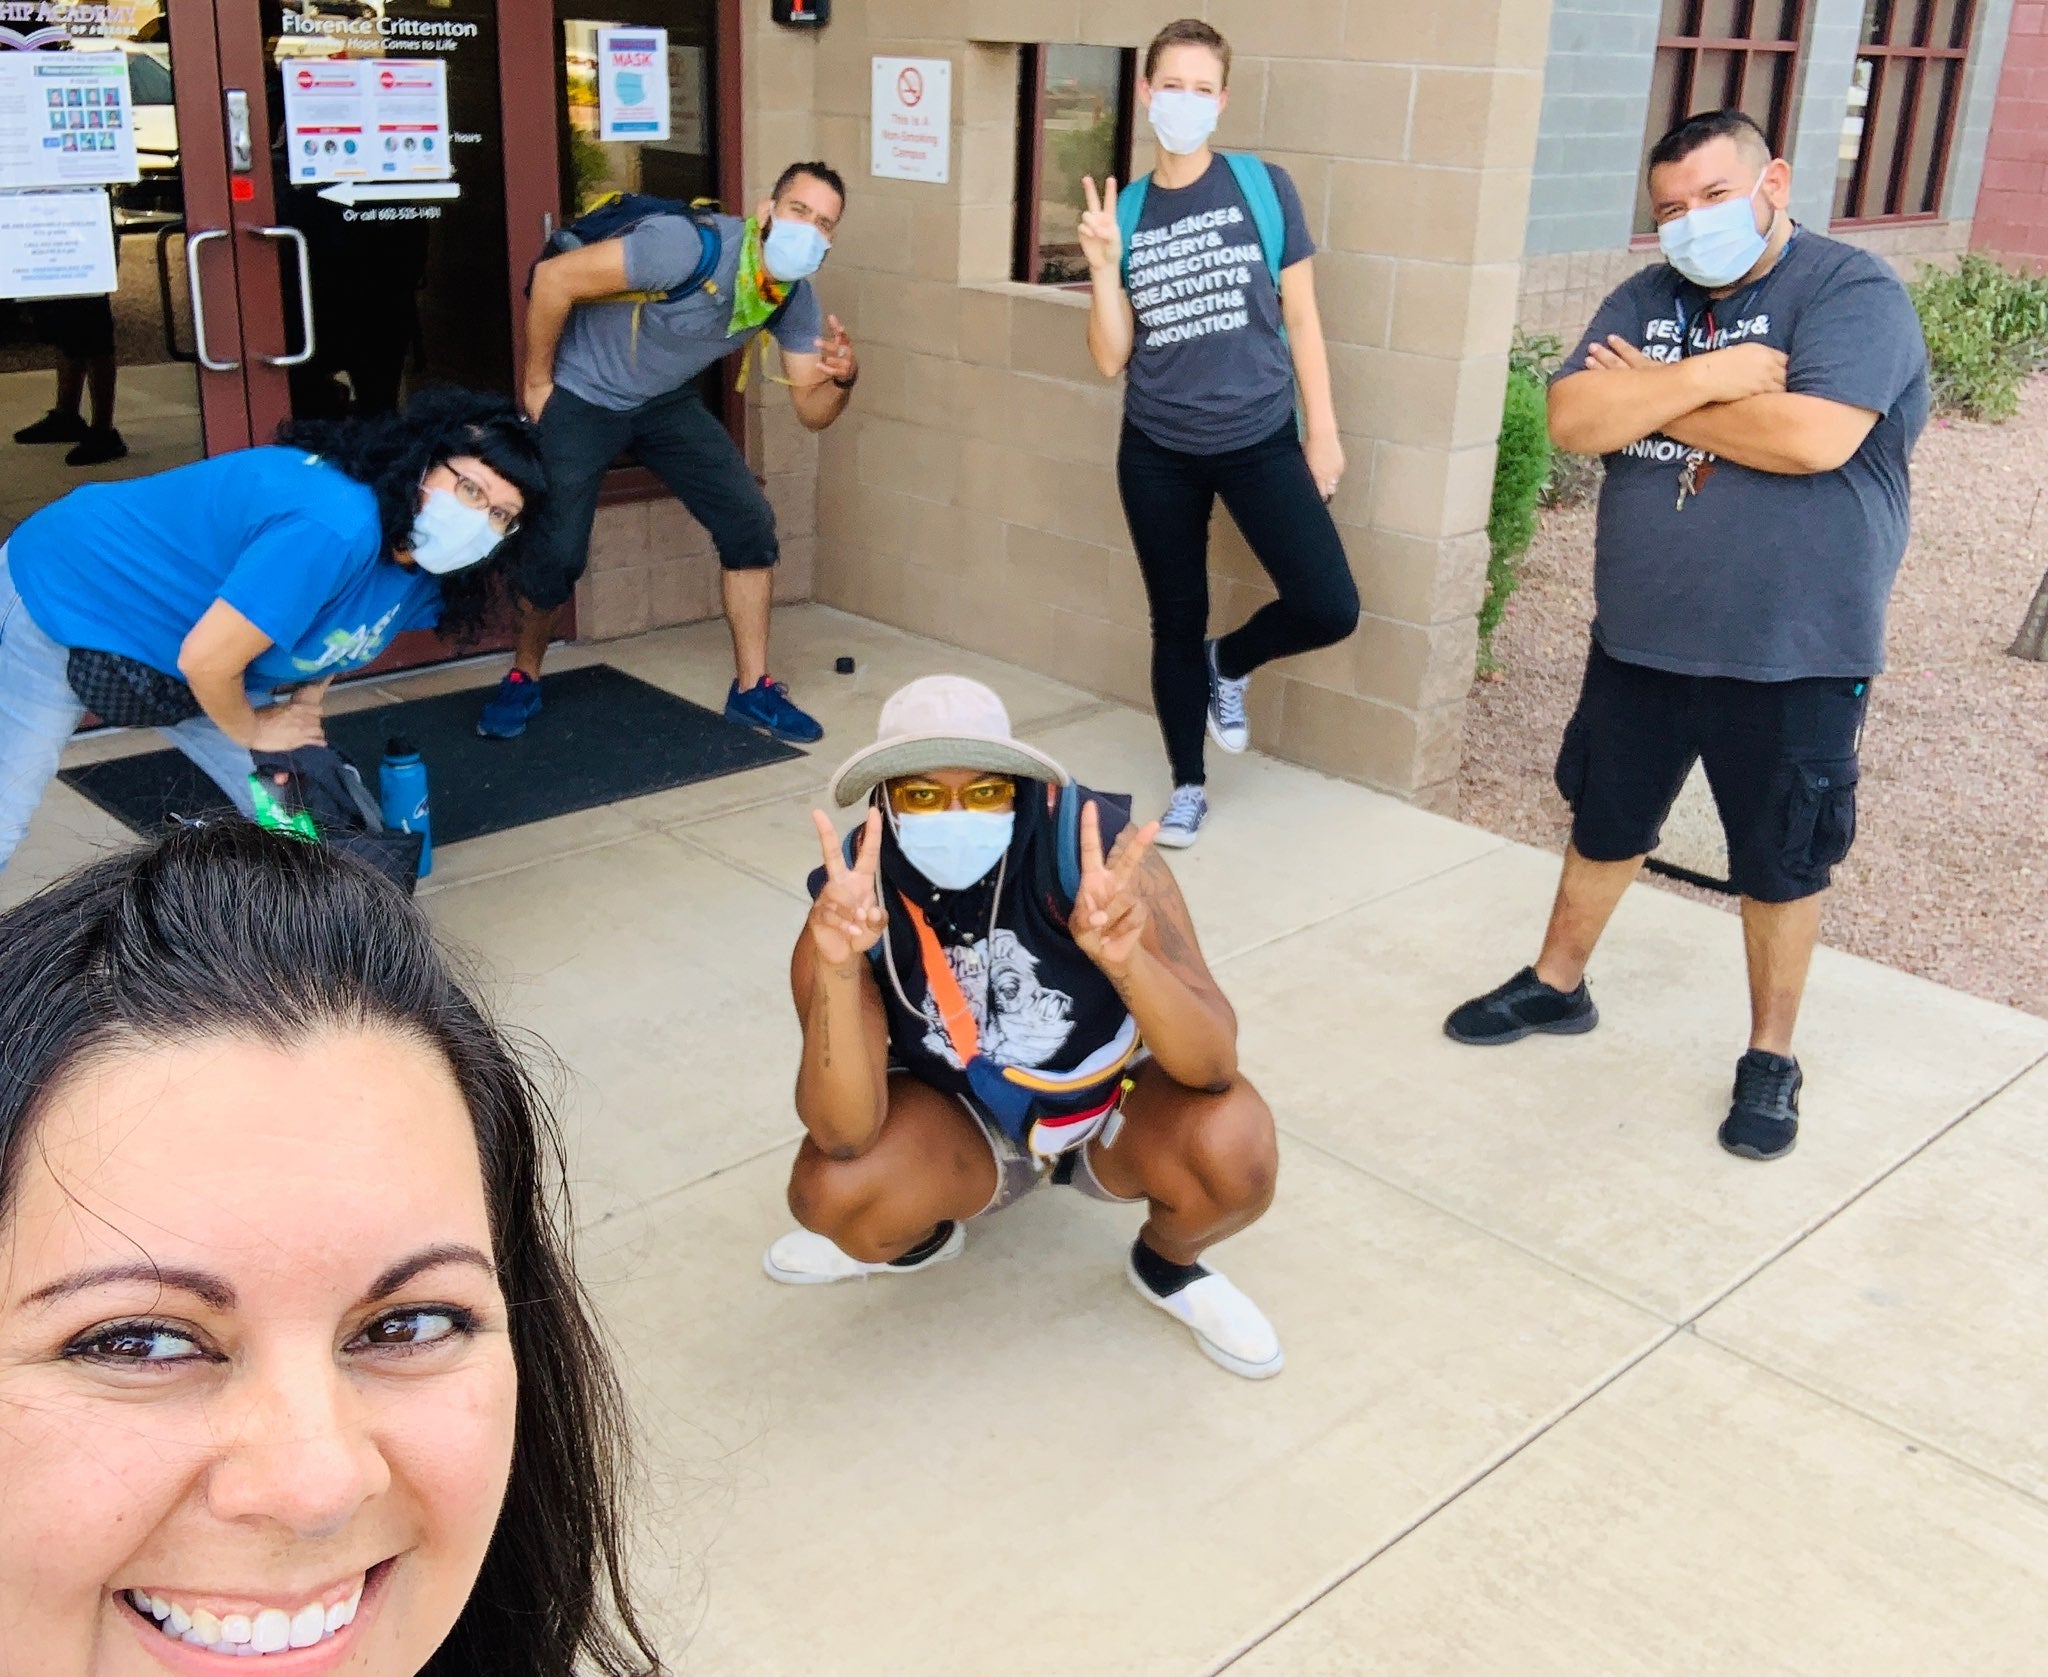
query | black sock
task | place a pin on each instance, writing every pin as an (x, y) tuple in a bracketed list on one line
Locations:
[(927, 1246), (1164, 1279)]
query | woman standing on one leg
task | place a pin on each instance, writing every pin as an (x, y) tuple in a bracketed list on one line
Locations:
[(1212, 312)]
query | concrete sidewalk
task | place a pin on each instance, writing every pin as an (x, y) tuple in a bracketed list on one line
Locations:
[(1569, 1390)]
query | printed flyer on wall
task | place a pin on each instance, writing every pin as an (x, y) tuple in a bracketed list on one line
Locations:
[(56, 244), (65, 119), (355, 119), (632, 84)]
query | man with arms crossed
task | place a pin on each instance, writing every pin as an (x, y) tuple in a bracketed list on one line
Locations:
[(606, 372), (1757, 400)]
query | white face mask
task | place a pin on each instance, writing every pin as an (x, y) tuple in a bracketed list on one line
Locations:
[(955, 847), (793, 250), (448, 536), (1716, 244), (1182, 121)]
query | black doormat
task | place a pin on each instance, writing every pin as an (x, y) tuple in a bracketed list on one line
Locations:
[(603, 736)]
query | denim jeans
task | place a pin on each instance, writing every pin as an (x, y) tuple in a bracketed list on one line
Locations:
[(38, 712)]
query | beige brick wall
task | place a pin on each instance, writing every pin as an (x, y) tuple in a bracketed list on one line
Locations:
[(970, 494), (651, 563), (1561, 293)]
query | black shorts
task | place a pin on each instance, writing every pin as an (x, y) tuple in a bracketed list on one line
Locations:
[(78, 328), (1779, 755), (678, 439)]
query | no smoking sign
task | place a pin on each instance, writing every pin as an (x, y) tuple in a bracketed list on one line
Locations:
[(912, 119)]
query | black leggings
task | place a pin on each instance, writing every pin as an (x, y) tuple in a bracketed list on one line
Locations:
[(1267, 486)]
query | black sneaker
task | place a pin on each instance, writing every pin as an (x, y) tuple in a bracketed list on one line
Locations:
[(97, 447), (1521, 1006), (1764, 1121), (56, 426)]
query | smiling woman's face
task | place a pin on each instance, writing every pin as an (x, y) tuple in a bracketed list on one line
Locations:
[(255, 1382)]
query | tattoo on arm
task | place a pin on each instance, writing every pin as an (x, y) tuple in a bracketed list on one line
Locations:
[(1168, 912)]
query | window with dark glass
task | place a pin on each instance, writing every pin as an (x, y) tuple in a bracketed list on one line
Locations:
[(1723, 55), (1074, 119), (1903, 98)]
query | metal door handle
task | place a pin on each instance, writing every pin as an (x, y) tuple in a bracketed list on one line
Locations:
[(163, 290), (305, 354), (206, 358)]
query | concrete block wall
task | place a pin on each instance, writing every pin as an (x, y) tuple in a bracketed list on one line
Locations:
[(1589, 147), (970, 494), (651, 563), (2012, 206)]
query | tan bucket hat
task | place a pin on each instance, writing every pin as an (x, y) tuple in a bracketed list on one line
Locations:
[(941, 722)]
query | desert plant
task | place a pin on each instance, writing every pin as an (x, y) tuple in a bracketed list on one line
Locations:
[(1987, 329), (1521, 468)]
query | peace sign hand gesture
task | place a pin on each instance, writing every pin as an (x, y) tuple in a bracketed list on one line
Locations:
[(848, 919), (1109, 909), (1102, 241), (836, 359)]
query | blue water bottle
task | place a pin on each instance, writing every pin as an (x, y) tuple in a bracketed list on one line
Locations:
[(402, 793)]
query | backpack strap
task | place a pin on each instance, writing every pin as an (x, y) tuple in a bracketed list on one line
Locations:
[(1130, 206), (1067, 845), (1255, 181)]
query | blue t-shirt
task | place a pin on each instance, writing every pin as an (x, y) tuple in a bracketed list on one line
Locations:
[(290, 542)]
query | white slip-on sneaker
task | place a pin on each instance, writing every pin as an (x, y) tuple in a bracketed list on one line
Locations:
[(1232, 1331), (1229, 727), (803, 1259), (1181, 825)]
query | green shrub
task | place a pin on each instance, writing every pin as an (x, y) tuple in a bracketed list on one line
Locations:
[(1987, 329), (1521, 470)]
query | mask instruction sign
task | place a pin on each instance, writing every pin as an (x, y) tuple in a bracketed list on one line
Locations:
[(66, 119), (56, 244), (913, 119), (366, 119), (632, 84)]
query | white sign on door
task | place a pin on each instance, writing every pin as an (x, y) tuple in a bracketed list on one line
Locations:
[(56, 244), (632, 84), (366, 119), (912, 119), (66, 119)]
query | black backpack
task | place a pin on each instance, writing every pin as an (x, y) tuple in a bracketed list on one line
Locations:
[(616, 216)]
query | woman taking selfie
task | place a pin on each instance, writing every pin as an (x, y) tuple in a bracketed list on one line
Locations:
[(292, 1359), (189, 600), (1204, 296)]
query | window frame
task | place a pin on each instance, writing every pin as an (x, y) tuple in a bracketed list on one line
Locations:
[(1026, 228), (1916, 57), (1790, 49)]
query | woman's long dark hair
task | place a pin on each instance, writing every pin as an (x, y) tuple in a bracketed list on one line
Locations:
[(391, 452), (227, 929)]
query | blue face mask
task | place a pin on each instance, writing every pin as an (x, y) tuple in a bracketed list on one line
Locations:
[(955, 847), (1183, 121), (448, 536), (793, 250), (1716, 244)]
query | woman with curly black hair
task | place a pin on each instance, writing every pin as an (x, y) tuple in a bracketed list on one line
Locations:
[(293, 1359), (217, 600)]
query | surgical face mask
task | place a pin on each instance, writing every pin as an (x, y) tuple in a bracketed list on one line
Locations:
[(1183, 121), (955, 847), (793, 250), (1716, 244), (448, 536)]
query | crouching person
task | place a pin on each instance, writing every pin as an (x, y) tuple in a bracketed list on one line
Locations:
[(999, 986)]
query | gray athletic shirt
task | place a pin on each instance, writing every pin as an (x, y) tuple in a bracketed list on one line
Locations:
[(599, 359), (1209, 370), (1764, 576)]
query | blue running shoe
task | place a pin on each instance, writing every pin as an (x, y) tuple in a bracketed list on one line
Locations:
[(508, 710), (767, 709)]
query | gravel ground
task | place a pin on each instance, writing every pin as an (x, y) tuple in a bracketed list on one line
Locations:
[(1949, 877)]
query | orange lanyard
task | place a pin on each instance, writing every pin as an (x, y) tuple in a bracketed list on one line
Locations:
[(955, 1014)]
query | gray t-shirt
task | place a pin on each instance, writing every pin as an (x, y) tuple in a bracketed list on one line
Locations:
[(1764, 576), (1209, 371), (605, 361)]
